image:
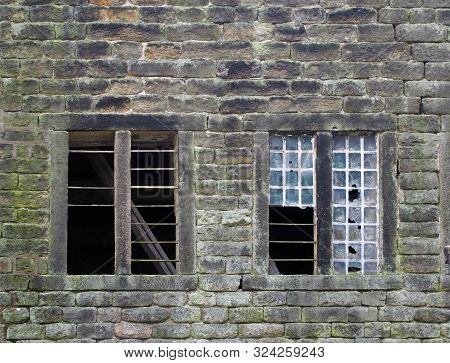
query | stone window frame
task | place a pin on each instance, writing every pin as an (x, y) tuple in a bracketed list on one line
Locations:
[(324, 128), (59, 150)]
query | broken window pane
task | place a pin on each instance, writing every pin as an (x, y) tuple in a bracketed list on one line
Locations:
[(292, 236), (355, 201)]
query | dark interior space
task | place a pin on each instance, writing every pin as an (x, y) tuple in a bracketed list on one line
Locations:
[(291, 237), (90, 241)]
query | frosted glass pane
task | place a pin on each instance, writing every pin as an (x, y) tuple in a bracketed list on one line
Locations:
[(339, 142), (354, 215), (339, 250), (307, 196), (339, 267), (292, 178), (354, 233), (339, 233), (276, 196), (276, 178), (276, 160), (307, 160), (291, 160), (276, 143), (370, 197), (354, 143), (370, 143), (355, 179), (370, 233), (339, 178), (354, 251), (306, 142), (370, 179), (339, 196), (339, 215), (370, 251), (370, 215), (292, 197), (307, 178), (354, 161), (292, 143), (339, 161), (370, 161)]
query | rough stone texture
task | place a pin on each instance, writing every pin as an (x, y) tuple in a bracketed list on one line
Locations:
[(223, 69)]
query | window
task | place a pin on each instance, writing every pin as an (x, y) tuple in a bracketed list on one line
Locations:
[(349, 181), (292, 227), (122, 202)]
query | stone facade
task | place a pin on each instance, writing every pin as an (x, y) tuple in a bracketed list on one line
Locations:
[(225, 70)]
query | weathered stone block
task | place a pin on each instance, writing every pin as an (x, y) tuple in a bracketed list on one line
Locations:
[(282, 314), (25, 332), (95, 331), (132, 330), (145, 314), (132, 298), (324, 314), (60, 331)]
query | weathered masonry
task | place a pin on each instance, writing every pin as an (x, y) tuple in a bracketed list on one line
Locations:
[(224, 170)]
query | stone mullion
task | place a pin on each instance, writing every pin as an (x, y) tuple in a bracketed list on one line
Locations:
[(122, 202)]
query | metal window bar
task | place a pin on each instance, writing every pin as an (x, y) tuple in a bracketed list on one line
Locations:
[(153, 250), (138, 223), (286, 159)]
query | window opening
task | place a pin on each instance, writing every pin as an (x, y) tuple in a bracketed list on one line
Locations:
[(292, 227)]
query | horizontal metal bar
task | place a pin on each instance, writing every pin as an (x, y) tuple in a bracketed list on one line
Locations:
[(99, 188), (143, 260), (151, 169), (155, 206), (153, 243), (156, 224), (291, 259), (153, 151), (294, 242), (90, 205), (154, 187), (291, 224), (92, 151)]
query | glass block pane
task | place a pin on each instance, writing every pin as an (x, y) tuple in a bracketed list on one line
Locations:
[(307, 178), (354, 143), (276, 196), (291, 160), (339, 161), (354, 251), (370, 233), (292, 143), (339, 196), (354, 197), (355, 179), (339, 250), (370, 197), (276, 160), (354, 161), (339, 267), (339, 142), (276, 142), (370, 143), (292, 178), (370, 179), (307, 160), (339, 215), (339, 178), (354, 215), (339, 233), (307, 197), (370, 268), (370, 215), (306, 142), (354, 233), (276, 178), (370, 161), (370, 251), (292, 197)]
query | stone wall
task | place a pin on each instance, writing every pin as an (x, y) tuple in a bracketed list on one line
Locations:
[(223, 69)]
